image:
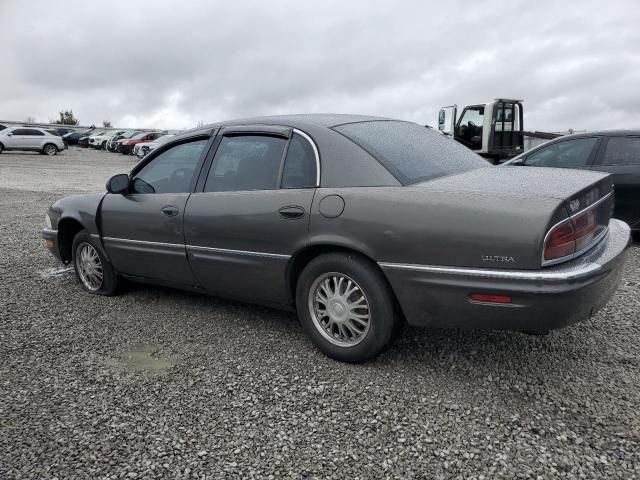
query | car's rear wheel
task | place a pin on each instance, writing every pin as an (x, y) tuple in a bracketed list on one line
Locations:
[(346, 307), (50, 149), (1, 148), (93, 270)]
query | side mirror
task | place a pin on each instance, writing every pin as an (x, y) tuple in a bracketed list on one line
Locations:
[(9, 134), (118, 183)]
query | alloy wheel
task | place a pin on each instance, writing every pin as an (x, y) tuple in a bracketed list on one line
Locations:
[(50, 150), (339, 309), (89, 267)]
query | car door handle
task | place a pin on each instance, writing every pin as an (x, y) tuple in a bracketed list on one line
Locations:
[(291, 212), (170, 211)]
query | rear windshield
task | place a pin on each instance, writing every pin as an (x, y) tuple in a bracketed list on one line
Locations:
[(411, 152)]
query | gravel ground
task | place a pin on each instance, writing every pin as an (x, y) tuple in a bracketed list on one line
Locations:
[(158, 383)]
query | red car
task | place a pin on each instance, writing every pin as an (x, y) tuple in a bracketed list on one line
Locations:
[(125, 145)]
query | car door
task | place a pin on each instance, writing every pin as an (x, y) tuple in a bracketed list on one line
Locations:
[(143, 229), (570, 153), (19, 139), (250, 211), (620, 156)]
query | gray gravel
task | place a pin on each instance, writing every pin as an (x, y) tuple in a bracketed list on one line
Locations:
[(158, 383)]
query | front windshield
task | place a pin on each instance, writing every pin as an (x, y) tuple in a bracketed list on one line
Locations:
[(130, 133)]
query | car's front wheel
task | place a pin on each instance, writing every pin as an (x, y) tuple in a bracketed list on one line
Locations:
[(93, 270), (50, 149), (346, 307)]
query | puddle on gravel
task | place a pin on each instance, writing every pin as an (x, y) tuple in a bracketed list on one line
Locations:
[(143, 358)]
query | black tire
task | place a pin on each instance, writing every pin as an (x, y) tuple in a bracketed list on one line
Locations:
[(384, 319), (50, 149), (109, 284), (103, 146), (1, 148)]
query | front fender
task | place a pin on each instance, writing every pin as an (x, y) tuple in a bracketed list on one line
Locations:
[(82, 208)]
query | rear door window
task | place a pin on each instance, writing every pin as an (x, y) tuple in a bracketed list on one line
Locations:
[(300, 164), (622, 151), (246, 162), (567, 154)]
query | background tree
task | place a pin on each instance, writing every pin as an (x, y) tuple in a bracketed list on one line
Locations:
[(106, 124), (30, 119), (67, 118)]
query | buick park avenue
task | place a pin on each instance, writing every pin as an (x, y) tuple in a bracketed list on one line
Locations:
[(358, 223)]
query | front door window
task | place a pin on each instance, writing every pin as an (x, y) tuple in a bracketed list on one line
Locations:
[(170, 172)]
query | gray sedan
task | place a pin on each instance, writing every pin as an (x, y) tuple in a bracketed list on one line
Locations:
[(358, 223)]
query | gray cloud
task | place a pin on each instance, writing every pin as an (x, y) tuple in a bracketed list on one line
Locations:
[(170, 65)]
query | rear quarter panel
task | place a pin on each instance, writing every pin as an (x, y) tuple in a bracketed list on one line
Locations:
[(415, 225)]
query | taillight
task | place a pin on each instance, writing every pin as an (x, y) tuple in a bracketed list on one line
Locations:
[(585, 228), (560, 241), (577, 233)]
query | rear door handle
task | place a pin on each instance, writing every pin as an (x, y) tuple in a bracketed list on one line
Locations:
[(170, 210), (291, 212)]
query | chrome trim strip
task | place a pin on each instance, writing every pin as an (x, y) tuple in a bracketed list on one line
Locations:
[(143, 242), (594, 242), (315, 152), (584, 269), (237, 252), (49, 231), (198, 248)]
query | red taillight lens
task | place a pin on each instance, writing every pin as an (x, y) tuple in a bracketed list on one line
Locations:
[(560, 241), (578, 232)]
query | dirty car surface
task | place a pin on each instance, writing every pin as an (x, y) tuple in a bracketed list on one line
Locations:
[(359, 223)]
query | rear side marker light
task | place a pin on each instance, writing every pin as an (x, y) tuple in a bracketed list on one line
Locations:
[(481, 297)]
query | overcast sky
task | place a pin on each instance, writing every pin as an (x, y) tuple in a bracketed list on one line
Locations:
[(173, 64)]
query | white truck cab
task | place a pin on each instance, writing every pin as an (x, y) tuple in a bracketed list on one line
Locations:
[(493, 129)]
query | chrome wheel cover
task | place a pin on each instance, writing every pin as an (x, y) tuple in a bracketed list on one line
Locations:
[(339, 309), (50, 150), (89, 267)]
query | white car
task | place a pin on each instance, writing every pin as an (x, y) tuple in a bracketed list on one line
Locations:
[(30, 139), (99, 140), (140, 150)]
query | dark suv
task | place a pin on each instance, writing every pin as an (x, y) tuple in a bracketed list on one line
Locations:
[(614, 151)]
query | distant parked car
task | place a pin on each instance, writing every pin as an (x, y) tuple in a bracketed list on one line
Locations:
[(113, 145), (99, 141), (63, 130), (140, 150), (126, 145), (30, 139), (615, 151), (2, 127), (72, 137), (84, 141)]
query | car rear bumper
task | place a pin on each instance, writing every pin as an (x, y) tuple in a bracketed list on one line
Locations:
[(50, 236), (546, 299)]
